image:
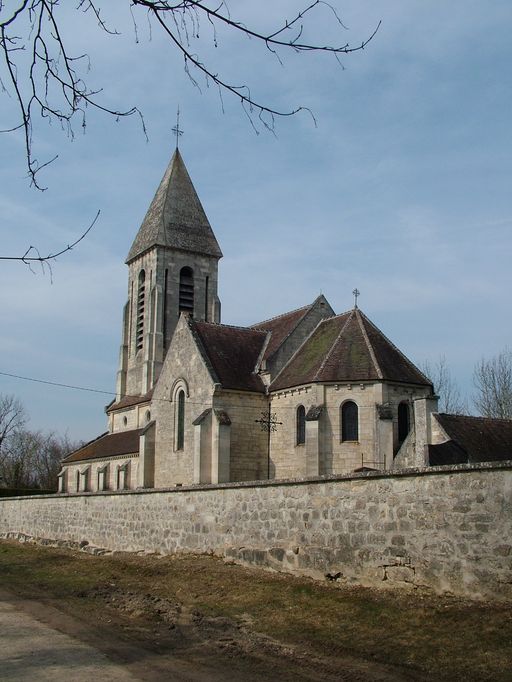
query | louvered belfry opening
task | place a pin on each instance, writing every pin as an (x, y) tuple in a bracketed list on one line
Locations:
[(186, 300), (141, 302)]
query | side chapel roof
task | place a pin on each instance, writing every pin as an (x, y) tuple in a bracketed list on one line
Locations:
[(231, 353), (472, 439), (107, 445), (347, 347), (176, 218)]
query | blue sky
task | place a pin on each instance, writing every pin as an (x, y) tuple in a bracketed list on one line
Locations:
[(402, 189)]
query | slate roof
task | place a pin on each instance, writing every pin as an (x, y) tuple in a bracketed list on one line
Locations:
[(176, 217), (107, 445), (347, 347), (231, 353), (480, 438)]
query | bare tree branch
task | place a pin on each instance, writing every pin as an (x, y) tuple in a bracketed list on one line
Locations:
[(450, 397), (45, 261), (43, 78)]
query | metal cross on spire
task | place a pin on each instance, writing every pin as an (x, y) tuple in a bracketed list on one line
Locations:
[(177, 130), (356, 293)]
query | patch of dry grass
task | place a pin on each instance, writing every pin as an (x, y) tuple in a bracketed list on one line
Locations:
[(444, 637)]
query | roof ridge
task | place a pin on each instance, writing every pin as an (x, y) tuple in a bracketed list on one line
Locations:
[(277, 317), (367, 319), (262, 351), (296, 352), (329, 353), (191, 324), (473, 416), (368, 344), (230, 326)]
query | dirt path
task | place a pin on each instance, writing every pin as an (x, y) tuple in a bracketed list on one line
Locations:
[(41, 640)]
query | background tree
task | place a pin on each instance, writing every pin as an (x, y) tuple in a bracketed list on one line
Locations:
[(493, 382), (445, 386), (43, 78), (12, 419), (28, 459)]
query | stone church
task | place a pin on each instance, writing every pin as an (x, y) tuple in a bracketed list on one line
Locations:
[(307, 393)]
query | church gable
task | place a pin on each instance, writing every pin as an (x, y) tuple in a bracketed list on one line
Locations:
[(288, 331), (232, 353)]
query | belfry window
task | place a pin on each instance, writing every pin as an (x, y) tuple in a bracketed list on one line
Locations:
[(349, 421), (403, 422), (301, 425), (186, 299), (141, 302), (180, 421)]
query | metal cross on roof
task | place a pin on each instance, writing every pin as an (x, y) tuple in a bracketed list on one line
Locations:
[(177, 130), (356, 293)]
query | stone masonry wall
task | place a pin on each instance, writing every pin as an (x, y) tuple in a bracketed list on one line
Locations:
[(444, 529)]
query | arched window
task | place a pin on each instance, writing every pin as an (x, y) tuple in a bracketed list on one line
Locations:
[(186, 300), (349, 421), (141, 301), (403, 422), (301, 425), (180, 421)]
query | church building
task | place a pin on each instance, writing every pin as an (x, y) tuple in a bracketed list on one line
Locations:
[(307, 393)]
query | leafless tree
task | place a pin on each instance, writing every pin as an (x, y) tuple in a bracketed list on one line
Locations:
[(493, 382), (32, 459), (450, 397), (12, 419), (47, 461), (44, 78)]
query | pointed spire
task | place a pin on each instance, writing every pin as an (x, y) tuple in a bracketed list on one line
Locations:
[(176, 218)]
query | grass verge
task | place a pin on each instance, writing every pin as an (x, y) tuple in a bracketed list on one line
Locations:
[(442, 638)]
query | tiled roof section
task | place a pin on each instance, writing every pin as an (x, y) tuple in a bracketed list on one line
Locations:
[(347, 347), (129, 401), (483, 439), (107, 445), (392, 362), (446, 453), (176, 218), (280, 327), (232, 353)]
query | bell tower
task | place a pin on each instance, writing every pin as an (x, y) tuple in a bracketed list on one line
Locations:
[(173, 269)]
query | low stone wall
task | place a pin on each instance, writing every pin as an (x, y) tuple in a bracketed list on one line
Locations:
[(447, 529)]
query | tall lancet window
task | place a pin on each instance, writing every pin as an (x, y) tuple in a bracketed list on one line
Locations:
[(349, 421), (141, 302), (180, 421), (301, 425), (187, 290)]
